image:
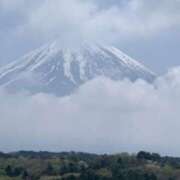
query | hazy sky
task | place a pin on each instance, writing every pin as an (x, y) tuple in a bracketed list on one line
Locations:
[(146, 30), (102, 115)]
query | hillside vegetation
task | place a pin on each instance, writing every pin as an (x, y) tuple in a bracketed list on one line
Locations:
[(82, 166)]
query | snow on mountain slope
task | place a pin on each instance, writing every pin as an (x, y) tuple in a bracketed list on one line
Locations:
[(59, 71)]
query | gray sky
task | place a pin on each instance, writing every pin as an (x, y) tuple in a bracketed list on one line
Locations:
[(146, 30), (102, 115)]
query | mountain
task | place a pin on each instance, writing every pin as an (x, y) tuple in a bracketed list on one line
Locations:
[(59, 71)]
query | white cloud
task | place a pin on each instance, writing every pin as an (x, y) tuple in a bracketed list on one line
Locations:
[(102, 116), (76, 20)]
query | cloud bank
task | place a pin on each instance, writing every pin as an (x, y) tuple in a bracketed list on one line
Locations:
[(103, 116), (77, 20)]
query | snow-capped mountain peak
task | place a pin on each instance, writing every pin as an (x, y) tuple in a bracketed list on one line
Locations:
[(59, 71)]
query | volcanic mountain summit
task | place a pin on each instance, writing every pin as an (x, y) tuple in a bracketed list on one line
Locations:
[(60, 71)]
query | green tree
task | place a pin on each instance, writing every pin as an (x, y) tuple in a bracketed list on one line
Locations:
[(9, 170)]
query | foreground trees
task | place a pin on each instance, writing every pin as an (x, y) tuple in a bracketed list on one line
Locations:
[(81, 166)]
